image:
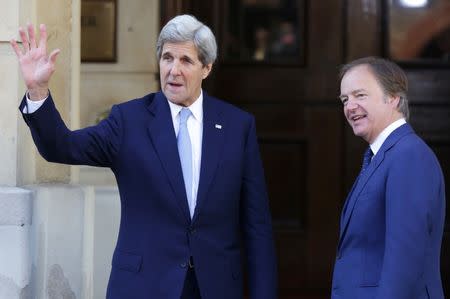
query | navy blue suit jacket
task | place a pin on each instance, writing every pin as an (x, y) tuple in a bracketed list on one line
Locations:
[(391, 230), (157, 236)]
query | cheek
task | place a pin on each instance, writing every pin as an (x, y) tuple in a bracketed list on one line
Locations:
[(162, 73), (345, 110)]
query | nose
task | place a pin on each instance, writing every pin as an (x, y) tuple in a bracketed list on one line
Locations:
[(175, 69), (351, 105)]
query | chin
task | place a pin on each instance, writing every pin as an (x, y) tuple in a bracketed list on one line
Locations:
[(173, 98), (358, 132), (178, 101)]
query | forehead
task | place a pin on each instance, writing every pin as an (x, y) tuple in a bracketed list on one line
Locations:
[(180, 49), (358, 77)]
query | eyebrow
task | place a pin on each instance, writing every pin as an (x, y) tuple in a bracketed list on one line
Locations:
[(352, 92), (186, 57)]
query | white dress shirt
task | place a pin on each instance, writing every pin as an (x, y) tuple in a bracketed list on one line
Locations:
[(378, 142), (32, 106), (195, 129)]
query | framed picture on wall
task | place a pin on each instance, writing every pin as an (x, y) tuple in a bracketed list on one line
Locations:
[(98, 30), (264, 32), (418, 32)]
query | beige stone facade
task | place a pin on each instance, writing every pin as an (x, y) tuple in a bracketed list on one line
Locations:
[(64, 227)]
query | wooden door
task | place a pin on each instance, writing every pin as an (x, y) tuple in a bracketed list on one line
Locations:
[(310, 155)]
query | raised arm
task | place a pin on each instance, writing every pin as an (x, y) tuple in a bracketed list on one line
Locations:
[(36, 66)]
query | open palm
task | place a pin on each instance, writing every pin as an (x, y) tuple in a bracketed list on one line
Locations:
[(36, 66)]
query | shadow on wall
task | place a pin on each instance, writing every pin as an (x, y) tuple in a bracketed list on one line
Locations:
[(58, 285)]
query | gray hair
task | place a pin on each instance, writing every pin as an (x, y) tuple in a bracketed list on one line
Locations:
[(185, 28)]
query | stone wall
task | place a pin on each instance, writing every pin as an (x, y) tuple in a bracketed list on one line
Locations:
[(56, 236)]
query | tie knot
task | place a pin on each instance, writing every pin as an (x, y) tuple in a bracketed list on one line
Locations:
[(368, 154), (184, 115)]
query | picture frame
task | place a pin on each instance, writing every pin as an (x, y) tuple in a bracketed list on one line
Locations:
[(264, 32), (417, 33), (98, 30)]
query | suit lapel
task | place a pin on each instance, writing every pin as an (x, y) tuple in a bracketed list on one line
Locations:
[(214, 129), (344, 209), (358, 187), (163, 138), (362, 180)]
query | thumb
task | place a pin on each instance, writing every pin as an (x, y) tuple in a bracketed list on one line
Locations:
[(53, 55)]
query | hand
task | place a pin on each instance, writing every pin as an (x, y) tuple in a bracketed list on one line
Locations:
[(36, 66)]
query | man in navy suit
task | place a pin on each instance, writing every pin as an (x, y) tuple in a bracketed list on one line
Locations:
[(392, 221), (188, 169)]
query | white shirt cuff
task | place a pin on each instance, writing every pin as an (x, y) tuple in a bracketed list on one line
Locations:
[(32, 106)]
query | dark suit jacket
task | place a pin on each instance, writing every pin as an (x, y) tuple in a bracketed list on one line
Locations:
[(157, 237), (391, 231)]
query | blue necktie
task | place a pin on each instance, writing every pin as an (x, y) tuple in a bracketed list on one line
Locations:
[(367, 158), (185, 152)]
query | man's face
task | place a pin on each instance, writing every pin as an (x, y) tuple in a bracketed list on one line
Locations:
[(181, 72), (367, 108)]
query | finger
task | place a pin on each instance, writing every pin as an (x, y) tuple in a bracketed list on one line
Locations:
[(53, 55), (43, 38), (31, 35), (24, 38), (16, 48)]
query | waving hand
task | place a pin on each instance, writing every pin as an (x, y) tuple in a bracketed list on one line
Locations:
[(36, 66)]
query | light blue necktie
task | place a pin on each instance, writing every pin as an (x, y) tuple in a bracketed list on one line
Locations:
[(185, 152)]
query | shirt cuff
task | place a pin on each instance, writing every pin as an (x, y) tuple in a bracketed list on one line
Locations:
[(32, 106)]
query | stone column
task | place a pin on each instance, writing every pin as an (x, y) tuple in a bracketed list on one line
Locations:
[(9, 92), (62, 22), (15, 203)]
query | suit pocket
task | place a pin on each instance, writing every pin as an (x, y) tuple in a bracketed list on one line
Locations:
[(372, 264), (127, 261)]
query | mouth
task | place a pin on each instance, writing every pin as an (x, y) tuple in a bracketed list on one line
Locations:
[(357, 118), (174, 84)]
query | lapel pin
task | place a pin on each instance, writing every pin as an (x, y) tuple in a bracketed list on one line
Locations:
[(219, 127)]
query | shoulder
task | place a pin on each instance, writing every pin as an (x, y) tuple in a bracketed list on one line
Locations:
[(228, 109), (137, 103), (412, 150), (412, 144)]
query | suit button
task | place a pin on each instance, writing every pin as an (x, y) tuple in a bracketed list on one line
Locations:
[(192, 230), (183, 265)]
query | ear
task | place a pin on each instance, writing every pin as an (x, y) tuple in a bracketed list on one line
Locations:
[(206, 70), (394, 100)]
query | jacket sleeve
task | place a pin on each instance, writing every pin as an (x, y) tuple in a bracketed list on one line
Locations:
[(412, 189), (97, 145), (256, 223)]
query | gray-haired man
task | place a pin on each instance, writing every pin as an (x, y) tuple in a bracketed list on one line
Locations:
[(188, 169)]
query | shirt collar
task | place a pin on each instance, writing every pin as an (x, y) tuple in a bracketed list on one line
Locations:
[(196, 108), (376, 145)]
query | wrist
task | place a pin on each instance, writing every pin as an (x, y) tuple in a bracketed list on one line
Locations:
[(38, 93)]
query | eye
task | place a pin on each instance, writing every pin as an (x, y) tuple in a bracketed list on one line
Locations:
[(344, 101), (360, 95), (166, 58), (187, 60)]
